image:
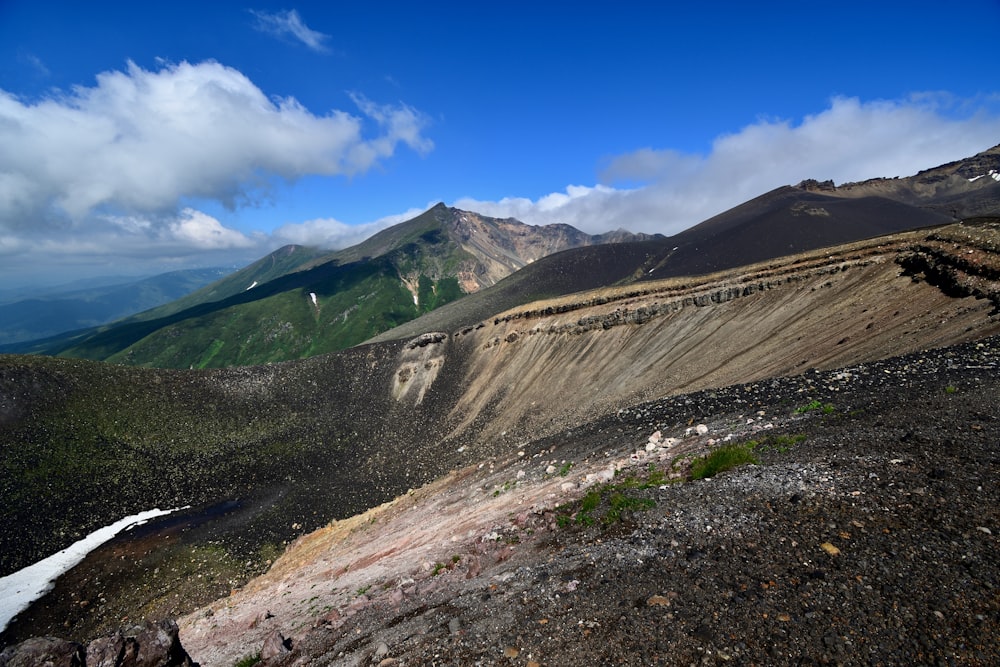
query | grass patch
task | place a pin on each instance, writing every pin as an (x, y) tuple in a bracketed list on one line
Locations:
[(248, 661), (622, 503), (507, 486), (951, 389), (777, 443), (722, 459), (609, 502), (813, 406)]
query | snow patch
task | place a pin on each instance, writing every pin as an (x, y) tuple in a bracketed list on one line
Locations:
[(251, 286), (992, 173), (20, 589), (312, 295)]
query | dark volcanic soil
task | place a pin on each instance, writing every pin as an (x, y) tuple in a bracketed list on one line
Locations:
[(873, 540), (867, 534)]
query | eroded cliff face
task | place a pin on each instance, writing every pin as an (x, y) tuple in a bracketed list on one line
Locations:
[(530, 372)]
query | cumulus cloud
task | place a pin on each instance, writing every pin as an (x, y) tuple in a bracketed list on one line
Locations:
[(666, 191), (333, 234), (202, 231), (289, 24), (141, 140), (108, 169)]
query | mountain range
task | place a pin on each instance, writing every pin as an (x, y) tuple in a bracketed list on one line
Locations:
[(31, 314), (527, 392), (299, 301)]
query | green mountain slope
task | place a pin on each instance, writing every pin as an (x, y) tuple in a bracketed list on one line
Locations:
[(283, 261), (330, 312)]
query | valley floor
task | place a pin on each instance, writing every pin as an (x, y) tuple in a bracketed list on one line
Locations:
[(867, 534)]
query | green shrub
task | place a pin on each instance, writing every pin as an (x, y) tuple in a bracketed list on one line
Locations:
[(721, 459), (621, 503), (825, 408), (248, 661), (779, 443)]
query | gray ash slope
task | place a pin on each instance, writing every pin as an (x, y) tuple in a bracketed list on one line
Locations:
[(873, 540)]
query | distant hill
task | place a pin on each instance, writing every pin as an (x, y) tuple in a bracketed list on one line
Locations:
[(961, 189), (298, 302), (50, 312), (785, 221), (297, 444)]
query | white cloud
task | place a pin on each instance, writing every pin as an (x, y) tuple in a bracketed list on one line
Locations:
[(141, 140), (203, 232), (289, 24), (98, 176), (333, 234), (849, 141), (35, 63)]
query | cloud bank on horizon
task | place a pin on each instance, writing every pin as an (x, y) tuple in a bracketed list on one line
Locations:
[(118, 170), (849, 141)]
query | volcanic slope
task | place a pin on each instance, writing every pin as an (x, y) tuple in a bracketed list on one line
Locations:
[(785, 221), (864, 534), (301, 443)]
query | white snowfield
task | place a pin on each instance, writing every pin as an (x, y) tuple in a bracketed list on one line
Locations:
[(20, 589)]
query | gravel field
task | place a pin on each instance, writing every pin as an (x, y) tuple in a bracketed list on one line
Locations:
[(867, 534)]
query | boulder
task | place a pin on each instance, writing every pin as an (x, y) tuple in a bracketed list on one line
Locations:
[(147, 645), (43, 652)]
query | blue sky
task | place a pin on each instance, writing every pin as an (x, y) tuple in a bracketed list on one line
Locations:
[(137, 138)]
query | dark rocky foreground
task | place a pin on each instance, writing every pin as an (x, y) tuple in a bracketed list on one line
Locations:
[(872, 540), (145, 645), (866, 535)]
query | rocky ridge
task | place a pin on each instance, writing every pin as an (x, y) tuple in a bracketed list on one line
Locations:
[(961, 189)]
